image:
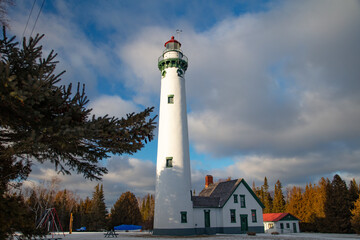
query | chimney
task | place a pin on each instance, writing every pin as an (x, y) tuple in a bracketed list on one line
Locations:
[(208, 180)]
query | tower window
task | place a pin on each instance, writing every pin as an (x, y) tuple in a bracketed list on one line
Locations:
[(180, 73), (232, 216), (163, 73), (169, 162), (170, 99), (183, 217)]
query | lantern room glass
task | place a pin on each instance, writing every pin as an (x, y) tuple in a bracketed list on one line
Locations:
[(173, 45)]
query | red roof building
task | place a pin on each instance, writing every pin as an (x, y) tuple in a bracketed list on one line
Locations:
[(281, 223)]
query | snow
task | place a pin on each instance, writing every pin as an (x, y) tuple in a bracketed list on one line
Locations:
[(147, 235)]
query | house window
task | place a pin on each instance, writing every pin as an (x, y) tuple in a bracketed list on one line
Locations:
[(287, 225), (169, 162), (183, 217), (253, 215), (242, 201), (170, 99), (235, 198), (232, 216), (271, 225), (281, 226)]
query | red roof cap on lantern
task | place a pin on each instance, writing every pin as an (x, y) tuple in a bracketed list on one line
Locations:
[(172, 40)]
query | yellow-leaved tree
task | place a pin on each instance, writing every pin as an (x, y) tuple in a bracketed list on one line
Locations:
[(355, 218)]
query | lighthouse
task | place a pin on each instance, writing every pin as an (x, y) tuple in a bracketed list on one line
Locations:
[(173, 205)]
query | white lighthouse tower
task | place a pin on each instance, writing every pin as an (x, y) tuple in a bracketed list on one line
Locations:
[(173, 205)]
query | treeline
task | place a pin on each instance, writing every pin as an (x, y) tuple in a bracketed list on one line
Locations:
[(329, 206), (90, 212)]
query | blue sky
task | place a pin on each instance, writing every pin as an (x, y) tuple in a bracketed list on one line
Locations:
[(272, 86)]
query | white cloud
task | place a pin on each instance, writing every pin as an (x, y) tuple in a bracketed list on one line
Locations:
[(113, 106), (84, 60), (140, 55), (134, 172), (320, 124), (294, 170), (277, 82)]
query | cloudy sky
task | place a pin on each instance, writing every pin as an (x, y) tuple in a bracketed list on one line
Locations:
[(273, 87)]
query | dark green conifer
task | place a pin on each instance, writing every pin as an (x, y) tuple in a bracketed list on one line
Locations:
[(337, 207), (86, 213), (265, 197), (353, 192), (98, 209)]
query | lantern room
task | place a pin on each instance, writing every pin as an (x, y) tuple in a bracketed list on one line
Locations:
[(172, 44), (172, 56)]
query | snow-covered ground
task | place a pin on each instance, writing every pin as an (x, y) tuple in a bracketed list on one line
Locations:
[(145, 235)]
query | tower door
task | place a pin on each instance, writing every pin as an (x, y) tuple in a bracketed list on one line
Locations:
[(244, 222)]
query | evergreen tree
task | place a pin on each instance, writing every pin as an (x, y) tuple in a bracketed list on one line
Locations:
[(85, 210), (279, 201), (143, 210), (355, 218), (77, 215), (40, 120), (353, 192), (265, 185), (257, 191), (43, 121), (337, 207), (266, 198), (14, 216), (10, 170), (126, 210), (98, 209)]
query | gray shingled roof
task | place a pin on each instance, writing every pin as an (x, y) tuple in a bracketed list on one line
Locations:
[(216, 194), (199, 201)]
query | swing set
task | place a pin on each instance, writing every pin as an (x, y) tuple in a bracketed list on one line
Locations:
[(50, 222)]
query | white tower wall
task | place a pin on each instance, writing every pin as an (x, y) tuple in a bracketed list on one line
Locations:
[(173, 182)]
